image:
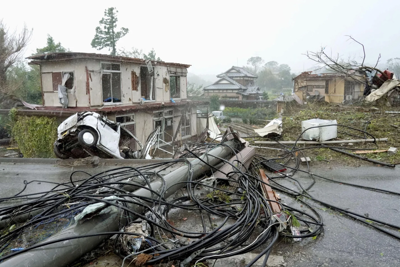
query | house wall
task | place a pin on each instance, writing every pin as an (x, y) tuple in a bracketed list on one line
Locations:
[(144, 123), (303, 81), (51, 97), (335, 91), (95, 97)]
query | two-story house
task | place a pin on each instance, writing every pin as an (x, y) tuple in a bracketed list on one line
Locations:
[(141, 95), (234, 84)]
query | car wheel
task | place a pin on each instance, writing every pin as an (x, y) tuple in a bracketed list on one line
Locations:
[(87, 137), (58, 153)]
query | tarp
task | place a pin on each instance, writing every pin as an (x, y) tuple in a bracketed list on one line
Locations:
[(274, 126), (212, 126), (381, 91)]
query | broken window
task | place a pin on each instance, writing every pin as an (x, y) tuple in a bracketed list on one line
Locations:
[(128, 122), (62, 78), (134, 81), (185, 123), (164, 120), (146, 84), (175, 86), (111, 82)]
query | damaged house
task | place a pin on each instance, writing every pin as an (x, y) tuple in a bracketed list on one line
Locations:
[(141, 95), (234, 84), (330, 87)]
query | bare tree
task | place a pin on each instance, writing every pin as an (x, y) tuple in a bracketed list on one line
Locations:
[(352, 68), (12, 45)]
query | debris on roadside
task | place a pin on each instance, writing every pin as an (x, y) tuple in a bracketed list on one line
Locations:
[(138, 205), (274, 127), (305, 159), (319, 130), (392, 150)]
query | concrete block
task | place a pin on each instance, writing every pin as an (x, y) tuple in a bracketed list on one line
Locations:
[(305, 159), (392, 150)]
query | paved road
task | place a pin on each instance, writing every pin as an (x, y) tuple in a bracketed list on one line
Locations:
[(344, 242)]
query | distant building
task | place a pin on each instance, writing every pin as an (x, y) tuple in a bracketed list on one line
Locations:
[(331, 87), (234, 84)]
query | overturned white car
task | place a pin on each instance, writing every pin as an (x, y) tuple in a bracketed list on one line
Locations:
[(91, 134)]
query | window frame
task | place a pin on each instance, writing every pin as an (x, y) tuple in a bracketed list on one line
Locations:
[(178, 86), (61, 74), (105, 71)]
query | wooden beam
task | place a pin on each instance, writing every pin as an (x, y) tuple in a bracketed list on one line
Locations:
[(269, 193), (370, 151)]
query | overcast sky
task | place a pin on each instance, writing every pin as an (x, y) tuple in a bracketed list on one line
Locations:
[(214, 35)]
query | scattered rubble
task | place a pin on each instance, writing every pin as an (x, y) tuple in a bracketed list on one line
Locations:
[(224, 185)]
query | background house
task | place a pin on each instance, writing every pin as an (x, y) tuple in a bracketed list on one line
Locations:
[(332, 87), (234, 84), (140, 95)]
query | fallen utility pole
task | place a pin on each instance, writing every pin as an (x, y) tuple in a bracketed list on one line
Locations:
[(73, 242), (322, 143)]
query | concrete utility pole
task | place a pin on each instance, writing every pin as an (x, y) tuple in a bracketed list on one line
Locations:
[(73, 247)]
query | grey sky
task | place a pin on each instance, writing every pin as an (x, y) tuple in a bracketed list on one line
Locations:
[(214, 35)]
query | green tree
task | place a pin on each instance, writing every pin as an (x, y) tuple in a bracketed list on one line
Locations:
[(272, 65), (214, 102), (194, 90), (106, 35), (26, 80), (265, 95), (151, 55), (267, 79), (255, 62), (52, 47)]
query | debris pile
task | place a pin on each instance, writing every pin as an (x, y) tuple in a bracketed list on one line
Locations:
[(210, 207)]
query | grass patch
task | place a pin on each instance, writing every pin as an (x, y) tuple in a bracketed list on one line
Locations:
[(373, 120)]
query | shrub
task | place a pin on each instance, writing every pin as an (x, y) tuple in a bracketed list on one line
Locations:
[(252, 116), (227, 120), (35, 136)]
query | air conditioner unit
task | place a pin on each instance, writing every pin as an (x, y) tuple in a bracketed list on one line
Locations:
[(349, 97)]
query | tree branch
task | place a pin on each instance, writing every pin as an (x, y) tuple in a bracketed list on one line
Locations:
[(362, 63)]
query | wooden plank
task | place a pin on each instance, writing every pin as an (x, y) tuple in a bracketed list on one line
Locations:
[(269, 193), (370, 151)]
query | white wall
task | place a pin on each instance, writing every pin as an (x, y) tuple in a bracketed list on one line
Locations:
[(144, 125), (78, 68), (95, 99)]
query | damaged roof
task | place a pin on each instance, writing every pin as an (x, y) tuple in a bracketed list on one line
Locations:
[(120, 109), (319, 76), (39, 59)]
